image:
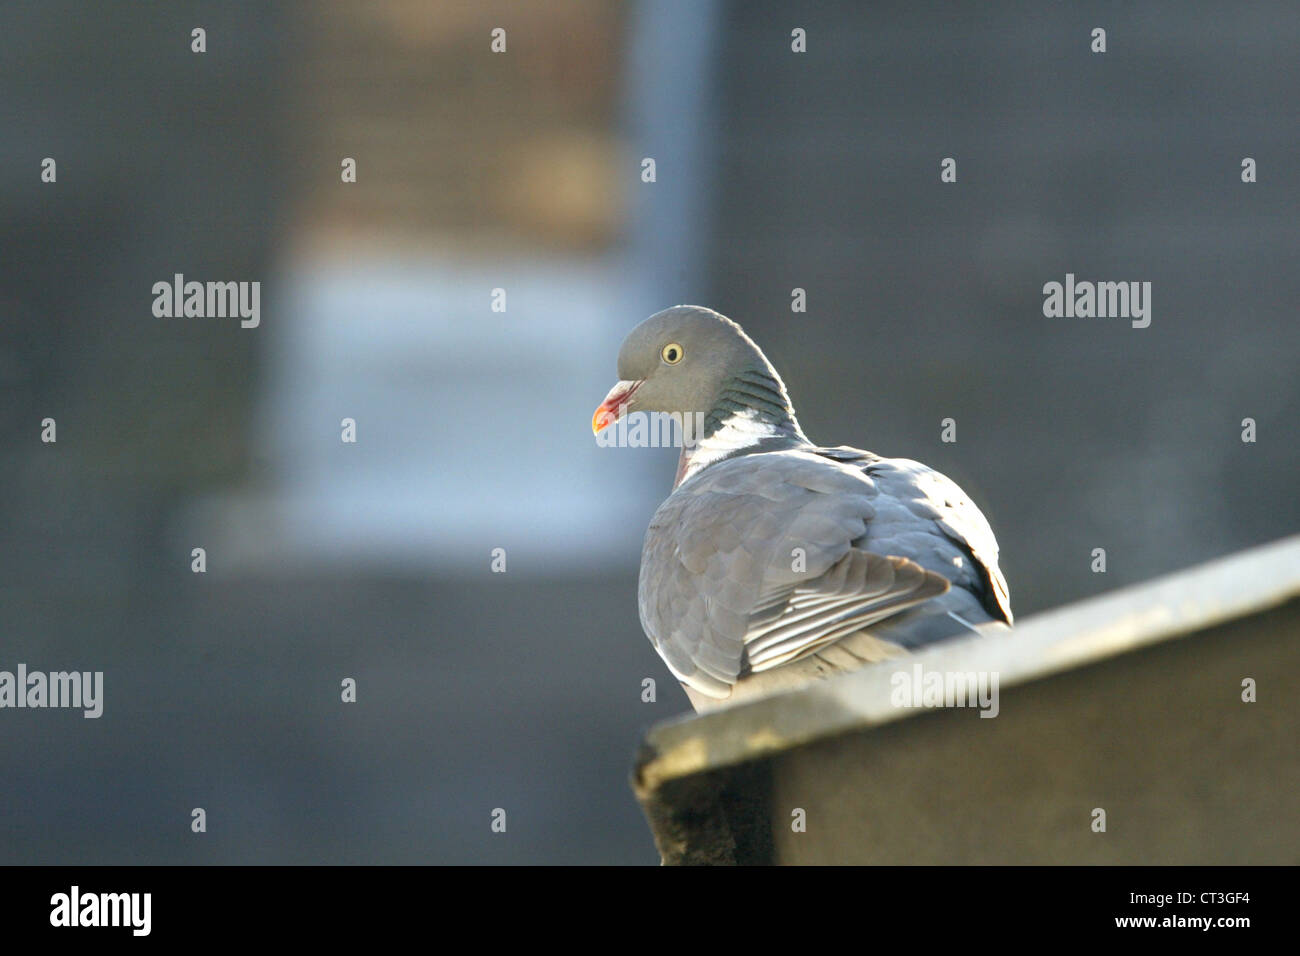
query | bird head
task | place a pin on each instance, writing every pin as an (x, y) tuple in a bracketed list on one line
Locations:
[(686, 360)]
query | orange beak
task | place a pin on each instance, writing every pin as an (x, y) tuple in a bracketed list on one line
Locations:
[(613, 407)]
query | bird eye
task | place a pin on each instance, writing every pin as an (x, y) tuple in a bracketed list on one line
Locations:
[(672, 353)]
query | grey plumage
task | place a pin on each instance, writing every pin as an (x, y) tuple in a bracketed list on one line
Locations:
[(774, 560)]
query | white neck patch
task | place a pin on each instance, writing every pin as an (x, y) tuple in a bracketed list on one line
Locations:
[(742, 429)]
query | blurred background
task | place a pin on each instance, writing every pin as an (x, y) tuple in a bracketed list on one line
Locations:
[(521, 171)]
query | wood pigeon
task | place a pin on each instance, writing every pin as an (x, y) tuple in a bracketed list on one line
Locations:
[(774, 560)]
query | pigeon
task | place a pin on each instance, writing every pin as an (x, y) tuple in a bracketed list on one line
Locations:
[(775, 561)]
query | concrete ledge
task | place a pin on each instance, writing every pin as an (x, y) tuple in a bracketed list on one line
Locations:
[(1130, 702)]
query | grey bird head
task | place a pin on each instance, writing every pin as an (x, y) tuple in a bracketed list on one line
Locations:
[(689, 359)]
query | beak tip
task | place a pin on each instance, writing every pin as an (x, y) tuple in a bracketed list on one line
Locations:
[(613, 407)]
